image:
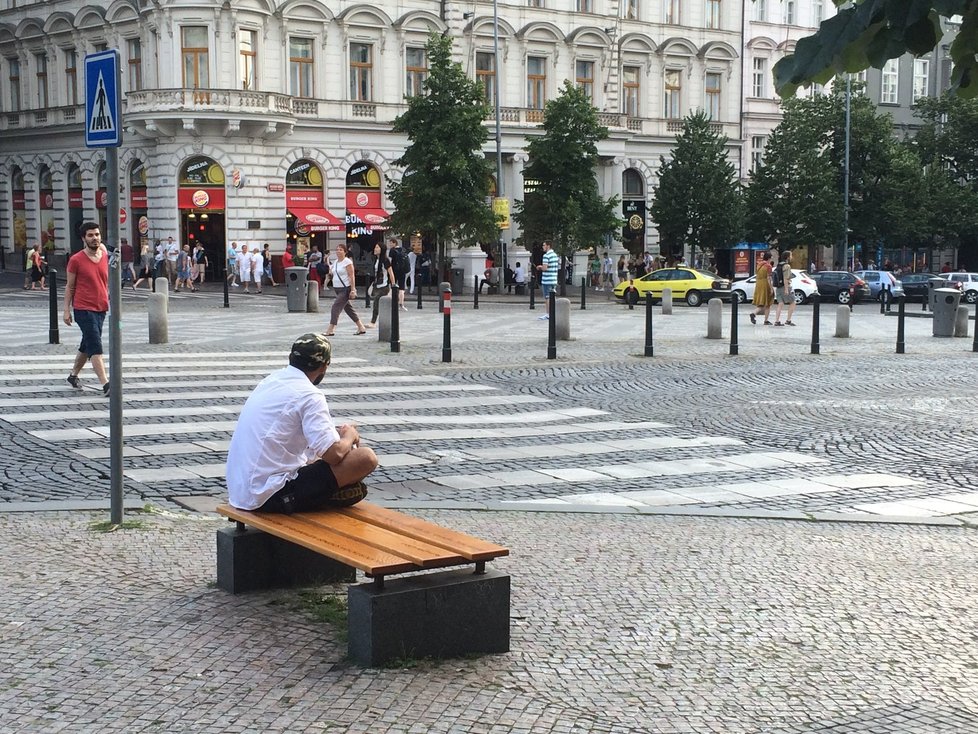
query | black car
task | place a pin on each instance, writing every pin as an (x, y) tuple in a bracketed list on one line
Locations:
[(842, 286), (915, 285)]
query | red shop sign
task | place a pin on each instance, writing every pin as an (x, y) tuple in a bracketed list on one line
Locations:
[(200, 198)]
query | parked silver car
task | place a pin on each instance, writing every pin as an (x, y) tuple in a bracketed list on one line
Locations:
[(879, 280)]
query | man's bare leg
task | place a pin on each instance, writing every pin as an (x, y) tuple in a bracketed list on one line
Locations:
[(98, 364), (355, 466)]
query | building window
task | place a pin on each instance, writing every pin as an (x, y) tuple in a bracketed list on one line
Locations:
[(890, 79), (631, 9), (584, 71), (300, 67), (14, 78), (713, 95), (759, 78), (631, 183), (757, 143), (361, 72), (71, 76), (41, 67), (195, 56), (485, 72), (100, 47), (921, 78), (713, 14), (818, 11), (673, 93), (536, 82), (631, 86), (790, 12), (860, 76), (248, 58), (673, 10), (535, 3), (416, 61), (135, 64), (760, 10), (585, 6)]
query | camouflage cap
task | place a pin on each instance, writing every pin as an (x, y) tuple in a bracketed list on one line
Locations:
[(310, 352)]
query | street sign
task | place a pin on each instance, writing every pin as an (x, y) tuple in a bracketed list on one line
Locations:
[(103, 109)]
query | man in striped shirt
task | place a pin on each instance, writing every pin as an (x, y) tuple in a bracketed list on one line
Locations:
[(548, 275)]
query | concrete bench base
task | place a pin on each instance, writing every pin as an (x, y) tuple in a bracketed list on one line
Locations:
[(437, 615), (250, 560)]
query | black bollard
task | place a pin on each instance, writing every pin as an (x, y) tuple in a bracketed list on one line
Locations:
[(552, 326), (649, 350), (475, 292), (395, 319), (734, 346), (974, 344), (889, 298), (533, 286), (227, 299), (583, 294), (883, 299), (901, 346), (631, 298), (446, 339), (816, 300), (419, 295), (54, 336)]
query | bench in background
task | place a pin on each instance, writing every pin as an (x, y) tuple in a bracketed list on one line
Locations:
[(442, 614)]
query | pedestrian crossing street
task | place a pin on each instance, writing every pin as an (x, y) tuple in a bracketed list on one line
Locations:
[(469, 440)]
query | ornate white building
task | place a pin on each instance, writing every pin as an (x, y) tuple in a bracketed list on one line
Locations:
[(260, 121)]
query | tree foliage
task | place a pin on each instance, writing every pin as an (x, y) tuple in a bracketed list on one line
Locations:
[(868, 33), (447, 179), (698, 200), (564, 205)]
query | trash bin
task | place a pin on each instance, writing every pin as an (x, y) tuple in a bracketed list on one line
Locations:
[(932, 285), (946, 302), (458, 281), (295, 281)]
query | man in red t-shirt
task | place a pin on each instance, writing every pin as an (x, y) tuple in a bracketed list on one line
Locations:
[(87, 299)]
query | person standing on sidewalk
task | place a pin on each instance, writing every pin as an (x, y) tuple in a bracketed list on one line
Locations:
[(383, 277), (244, 267), (785, 293), (87, 300), (172, 253), (548, 275), (232, 260), (763, 291)]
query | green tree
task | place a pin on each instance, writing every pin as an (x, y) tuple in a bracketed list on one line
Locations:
[(793, 198), (870, 32), (698, 200), (949, 136), (564, 205), (447, 179)]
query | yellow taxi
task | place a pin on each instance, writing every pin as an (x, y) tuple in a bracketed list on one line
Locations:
[(694, 286)]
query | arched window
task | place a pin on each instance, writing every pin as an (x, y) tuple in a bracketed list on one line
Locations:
[(632, 183)]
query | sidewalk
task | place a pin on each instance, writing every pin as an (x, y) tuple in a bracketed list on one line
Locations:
[(619, 624)]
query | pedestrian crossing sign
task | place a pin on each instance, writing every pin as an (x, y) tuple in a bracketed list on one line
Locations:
[(103, 119)]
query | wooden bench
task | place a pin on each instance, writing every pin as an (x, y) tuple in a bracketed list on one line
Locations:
[(442, 614)]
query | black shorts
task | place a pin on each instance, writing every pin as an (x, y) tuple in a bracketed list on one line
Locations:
[(313, 489), (90, 323)]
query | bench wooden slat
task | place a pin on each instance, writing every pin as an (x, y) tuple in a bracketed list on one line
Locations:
[(323, 540), (464, 545), (425, 555)]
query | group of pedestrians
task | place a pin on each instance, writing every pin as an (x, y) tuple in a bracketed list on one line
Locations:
[(773, 285), (249, 267)]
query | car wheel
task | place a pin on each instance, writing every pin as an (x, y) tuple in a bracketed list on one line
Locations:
[(971, 296), (799, 297), (844, 297), (693, 298), (739, 295)]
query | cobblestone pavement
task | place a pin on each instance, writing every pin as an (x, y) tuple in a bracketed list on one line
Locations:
[(619, 624), (623, 621)]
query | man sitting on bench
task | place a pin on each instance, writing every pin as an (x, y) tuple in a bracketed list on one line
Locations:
[(286, 454)]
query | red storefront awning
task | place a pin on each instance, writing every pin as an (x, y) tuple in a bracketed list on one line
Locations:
[(318, 220), (375, 218)]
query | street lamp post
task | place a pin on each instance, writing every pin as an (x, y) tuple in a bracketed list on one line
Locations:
[(499, 139), (845, 202)]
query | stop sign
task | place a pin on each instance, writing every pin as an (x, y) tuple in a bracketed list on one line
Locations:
[(122, 215)]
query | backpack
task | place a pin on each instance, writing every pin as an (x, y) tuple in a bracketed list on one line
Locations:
[(399, 262), (777, 277)]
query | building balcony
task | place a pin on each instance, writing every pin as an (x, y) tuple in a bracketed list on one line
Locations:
[(28, 120)]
